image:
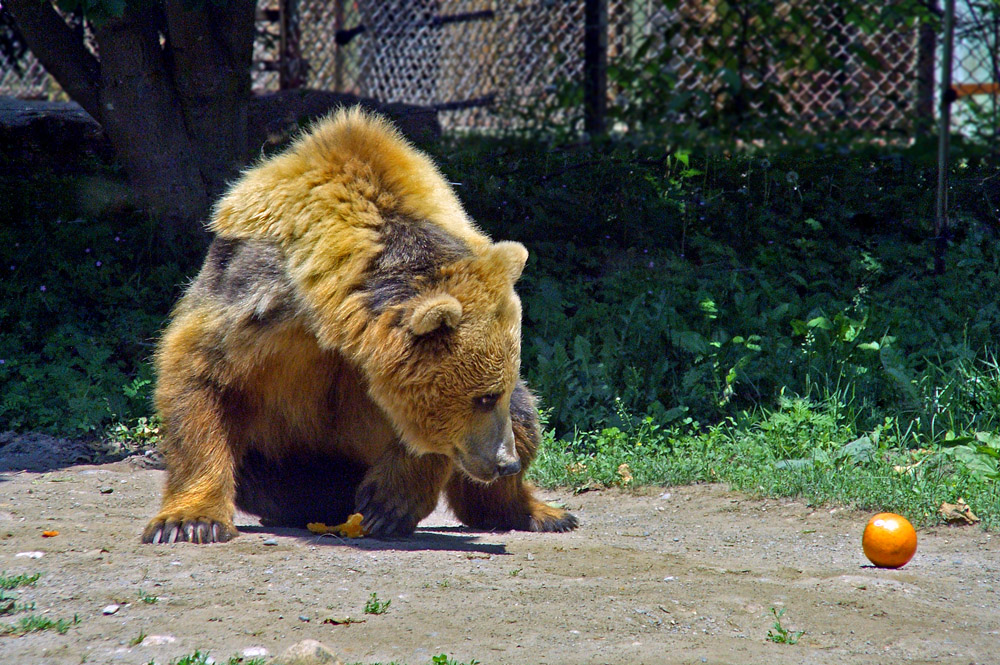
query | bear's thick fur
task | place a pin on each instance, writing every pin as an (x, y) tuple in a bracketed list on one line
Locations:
[(351, 344)]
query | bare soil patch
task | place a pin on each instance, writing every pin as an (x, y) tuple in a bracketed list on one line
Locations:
[(676, 575)]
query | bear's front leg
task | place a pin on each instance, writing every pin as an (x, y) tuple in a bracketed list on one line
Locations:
[(509, 502), (399, 490), (505, 504), (198, 503)]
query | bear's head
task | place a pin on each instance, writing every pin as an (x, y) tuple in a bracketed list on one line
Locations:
[(449, 359)]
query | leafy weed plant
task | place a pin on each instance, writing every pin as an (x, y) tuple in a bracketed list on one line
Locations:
[(781, 635), (147, 598), (376, 606), (441, 659)]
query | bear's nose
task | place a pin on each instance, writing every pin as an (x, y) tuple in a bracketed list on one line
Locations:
[(509, 468)]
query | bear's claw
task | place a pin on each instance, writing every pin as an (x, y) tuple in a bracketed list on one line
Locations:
[(553, 524), (390, 513), (383, 520), (200, 531), (550, 519)]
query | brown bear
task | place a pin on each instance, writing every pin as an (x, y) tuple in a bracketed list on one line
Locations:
[(351, 344)]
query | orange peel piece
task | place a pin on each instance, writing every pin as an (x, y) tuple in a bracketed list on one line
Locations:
[(351, 528), (49, 534)]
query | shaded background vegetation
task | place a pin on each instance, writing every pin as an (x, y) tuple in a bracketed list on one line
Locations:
[(683, 284)]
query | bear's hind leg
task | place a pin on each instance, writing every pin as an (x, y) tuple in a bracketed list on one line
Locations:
[(297, 488), (509, 502)]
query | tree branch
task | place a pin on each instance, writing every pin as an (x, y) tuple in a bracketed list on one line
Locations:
[(60, 51)]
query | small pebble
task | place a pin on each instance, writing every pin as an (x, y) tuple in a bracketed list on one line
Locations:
[(111, 609), (30, 555), (255, 652), (303, 617), (107, 490), (271, 541)]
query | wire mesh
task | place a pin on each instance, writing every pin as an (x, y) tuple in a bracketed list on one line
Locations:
[(500, 64), (976, 70), (804, 61), (486, 64)]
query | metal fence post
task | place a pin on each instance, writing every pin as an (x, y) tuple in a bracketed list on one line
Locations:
[(595, 66), (927, 41), (944, 138)]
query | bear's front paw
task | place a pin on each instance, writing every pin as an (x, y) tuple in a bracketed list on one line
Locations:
[(388, 516), (199, 530), (549, 519)]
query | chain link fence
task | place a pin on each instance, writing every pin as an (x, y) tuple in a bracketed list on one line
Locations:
[(21, 75), (975, 70), (497, 65)]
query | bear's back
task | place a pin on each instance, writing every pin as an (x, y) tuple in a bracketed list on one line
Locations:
[(337, 184)]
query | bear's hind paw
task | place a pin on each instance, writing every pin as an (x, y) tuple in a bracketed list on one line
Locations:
[(200, 530)]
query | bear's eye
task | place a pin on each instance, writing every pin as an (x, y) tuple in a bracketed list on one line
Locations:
[(486, 402)]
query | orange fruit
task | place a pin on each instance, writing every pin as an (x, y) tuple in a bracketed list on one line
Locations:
[(889, 540)]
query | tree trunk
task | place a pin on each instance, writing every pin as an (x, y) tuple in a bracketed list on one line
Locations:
[(141, 114), (171, 90), (212, 48)]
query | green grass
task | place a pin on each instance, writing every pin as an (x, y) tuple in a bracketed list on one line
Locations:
[(14, 581), (441, 659), (32, 623), (701, 289), (802, 449), (9, 605), (203, 658), (36, 623)]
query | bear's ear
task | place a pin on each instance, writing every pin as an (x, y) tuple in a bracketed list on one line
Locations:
[(511, 256), (433, 312)]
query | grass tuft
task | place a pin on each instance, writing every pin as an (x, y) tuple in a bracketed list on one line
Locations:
[(36, 623), (14, 581)]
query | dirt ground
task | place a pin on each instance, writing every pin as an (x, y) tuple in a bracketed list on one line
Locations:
[(675, 575)]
